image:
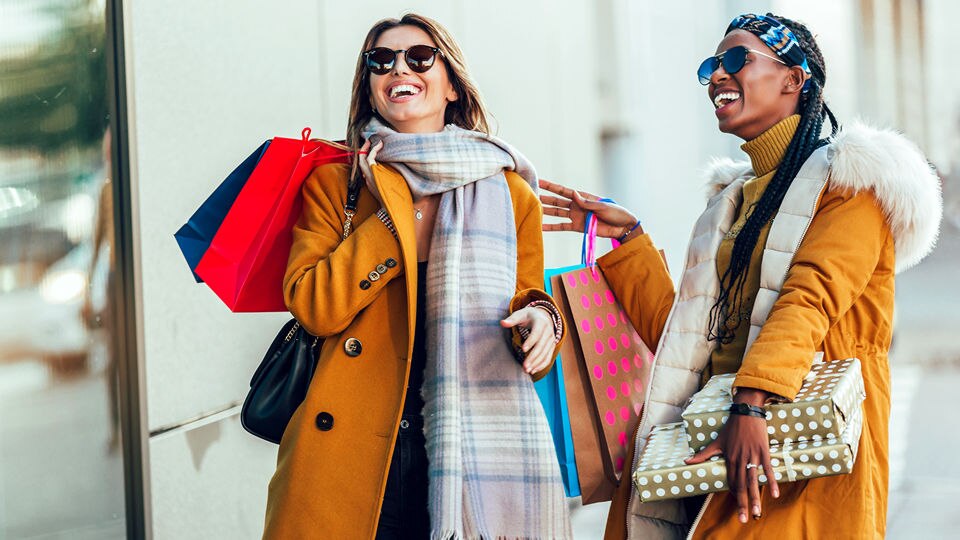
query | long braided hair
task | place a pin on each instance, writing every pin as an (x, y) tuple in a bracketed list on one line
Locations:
[(725, 316)]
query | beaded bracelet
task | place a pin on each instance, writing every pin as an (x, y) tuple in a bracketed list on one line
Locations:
[(554, 316), (623, 238), (385, 218)]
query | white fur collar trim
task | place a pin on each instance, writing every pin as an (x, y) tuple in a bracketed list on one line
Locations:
[(884, 161)]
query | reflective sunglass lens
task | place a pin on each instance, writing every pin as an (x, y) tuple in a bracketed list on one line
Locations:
[(734, 59), (420, 58), (706, 69), (380, 60)]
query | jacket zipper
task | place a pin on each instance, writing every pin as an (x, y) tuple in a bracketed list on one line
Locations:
[(803, 235), (703, 510), (813, 210), (653, 368), (646, 398)]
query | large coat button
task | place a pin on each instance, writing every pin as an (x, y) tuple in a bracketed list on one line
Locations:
[(391, 262), (373, 276), (324, 421), (382, 269), (364, 285), (352, 347)]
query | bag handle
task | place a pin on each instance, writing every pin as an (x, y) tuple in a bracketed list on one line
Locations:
[(588, 251), (353, 192)]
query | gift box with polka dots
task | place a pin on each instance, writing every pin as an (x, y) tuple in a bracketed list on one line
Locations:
[(830, 394), (661, 473)]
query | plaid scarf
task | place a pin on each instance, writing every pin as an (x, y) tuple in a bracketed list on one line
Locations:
[(493, 471)]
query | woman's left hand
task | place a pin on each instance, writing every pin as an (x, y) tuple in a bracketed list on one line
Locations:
[(744, 444), (541, 342)]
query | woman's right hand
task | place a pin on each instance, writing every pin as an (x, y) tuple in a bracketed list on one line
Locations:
[(613, 221), (367, 159)]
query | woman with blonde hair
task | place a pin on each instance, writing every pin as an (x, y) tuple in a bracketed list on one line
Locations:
[(421, 420)]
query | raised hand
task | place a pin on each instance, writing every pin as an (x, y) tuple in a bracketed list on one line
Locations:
[(612, 220), (368, 159)]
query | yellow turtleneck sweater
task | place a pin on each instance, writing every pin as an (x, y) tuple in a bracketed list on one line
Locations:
[(766, 151)]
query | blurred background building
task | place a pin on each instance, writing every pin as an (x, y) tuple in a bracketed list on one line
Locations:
[(121, 378)]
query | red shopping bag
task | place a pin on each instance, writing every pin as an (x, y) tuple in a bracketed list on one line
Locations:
[(247, 258)]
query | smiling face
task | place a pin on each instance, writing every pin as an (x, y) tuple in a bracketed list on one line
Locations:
[(762, 93), (411, 102)]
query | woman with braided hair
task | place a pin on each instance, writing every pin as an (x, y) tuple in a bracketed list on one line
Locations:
[(793, 259)]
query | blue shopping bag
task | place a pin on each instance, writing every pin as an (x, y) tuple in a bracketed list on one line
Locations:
[(195, 236), (551, 389), (553, 397)]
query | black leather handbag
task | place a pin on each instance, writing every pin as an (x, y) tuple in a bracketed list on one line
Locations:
[(280, 383)]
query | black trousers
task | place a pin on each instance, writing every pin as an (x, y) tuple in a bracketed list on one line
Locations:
[(404, 512)]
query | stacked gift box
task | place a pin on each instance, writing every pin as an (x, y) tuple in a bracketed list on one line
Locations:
[(813, 436)]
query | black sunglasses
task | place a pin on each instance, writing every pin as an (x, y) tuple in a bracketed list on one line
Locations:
[(732, 61), (420, 58)]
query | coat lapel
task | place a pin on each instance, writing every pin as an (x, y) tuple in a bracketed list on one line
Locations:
[(399, 204)]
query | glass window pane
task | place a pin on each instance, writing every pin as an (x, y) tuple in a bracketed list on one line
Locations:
[(61, 469)]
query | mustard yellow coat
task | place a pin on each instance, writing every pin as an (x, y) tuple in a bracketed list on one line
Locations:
[(879, 214), (335, 454)]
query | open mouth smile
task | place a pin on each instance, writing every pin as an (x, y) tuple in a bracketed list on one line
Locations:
[(403, 92), (722, 99)]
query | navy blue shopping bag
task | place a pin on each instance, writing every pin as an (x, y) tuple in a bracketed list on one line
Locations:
[(195, 236)]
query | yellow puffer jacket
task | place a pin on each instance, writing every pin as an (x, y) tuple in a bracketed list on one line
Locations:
[(878, 214)]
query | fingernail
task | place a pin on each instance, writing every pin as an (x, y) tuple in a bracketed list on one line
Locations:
[(756, 511), (743, 517), (776, 493)]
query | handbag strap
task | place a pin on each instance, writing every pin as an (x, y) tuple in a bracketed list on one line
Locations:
[(350, 208)]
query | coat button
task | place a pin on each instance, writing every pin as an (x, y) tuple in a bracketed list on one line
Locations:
[(382, 269), (390, 262), (353, 347), (364, 285), (373, 276), (404, 424), (324, 421)]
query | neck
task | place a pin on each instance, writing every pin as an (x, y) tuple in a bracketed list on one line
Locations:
[(754, 131), (419, 125), (767, 149)]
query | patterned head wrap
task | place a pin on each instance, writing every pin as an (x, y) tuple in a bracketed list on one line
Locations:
[(775, 35)]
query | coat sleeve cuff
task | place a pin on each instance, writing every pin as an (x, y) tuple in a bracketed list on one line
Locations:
[(626, 252), (779, 392)]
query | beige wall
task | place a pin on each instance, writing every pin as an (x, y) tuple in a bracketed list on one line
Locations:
[(600, 95), (208, 82)]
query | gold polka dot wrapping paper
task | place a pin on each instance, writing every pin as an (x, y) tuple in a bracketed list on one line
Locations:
[(831, 393), (661, 473)]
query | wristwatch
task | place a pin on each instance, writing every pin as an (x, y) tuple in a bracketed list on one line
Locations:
[(744, 409)]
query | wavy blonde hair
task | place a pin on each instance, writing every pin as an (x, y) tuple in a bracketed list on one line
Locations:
[(468, 112)]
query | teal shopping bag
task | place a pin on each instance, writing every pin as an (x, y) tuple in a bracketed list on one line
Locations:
[(551, 389), (553, 397)]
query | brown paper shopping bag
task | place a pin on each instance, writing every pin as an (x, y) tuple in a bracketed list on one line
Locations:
[(606, 367)]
